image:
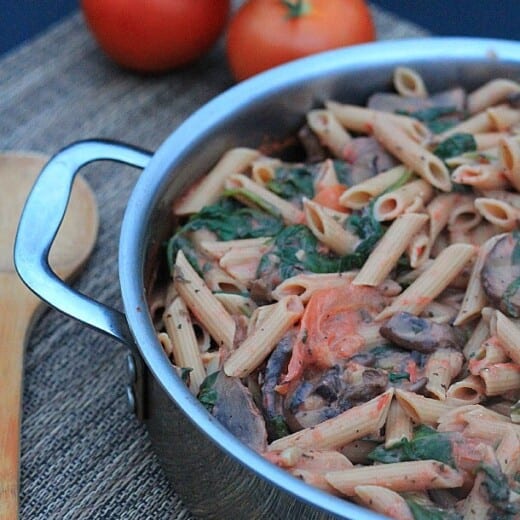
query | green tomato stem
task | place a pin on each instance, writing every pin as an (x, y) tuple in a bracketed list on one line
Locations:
[(296, 8)]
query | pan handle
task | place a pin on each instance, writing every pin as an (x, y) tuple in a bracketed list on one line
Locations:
[(39, 223), (41, 217)]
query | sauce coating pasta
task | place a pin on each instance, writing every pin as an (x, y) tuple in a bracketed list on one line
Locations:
[(356, 312)]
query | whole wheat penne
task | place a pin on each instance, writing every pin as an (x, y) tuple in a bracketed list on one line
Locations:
[(304, 285), (211, 186), (398, 476), (491, 93), (509, 159), (503, 117), (432, 282), (218, 248), (442, 367), (202, 303), (396, 202), (333, 433), (481, 176), (498, 212), (288, 211), (412, 154), (489, 353), (509, 335), (384, 501), (264, 338), (359, 195), (237, 304), (476, 124), (328, 230), (360, 119), (219, 280), (329, 131), (389, 249), (422, 410), (469, 390), (479, 334), (398, 425), (263, 169), (500, 378), (185, 348), (488, 141), (474, 297), (464, 216), (409, 83), (508, 452)]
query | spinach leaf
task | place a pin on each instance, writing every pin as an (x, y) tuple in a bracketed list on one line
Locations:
[(207, 394), (435, 117), (496, 486), (395, 377), (232, 220), (343, 172), (455, 145), (515, 412), (185, 374), (431, 512), (292, 182), (426, 444), (277, 427), (366, 227), (229, 220), (178, 242)]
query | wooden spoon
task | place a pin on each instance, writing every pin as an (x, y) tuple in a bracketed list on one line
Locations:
[(19, 307)]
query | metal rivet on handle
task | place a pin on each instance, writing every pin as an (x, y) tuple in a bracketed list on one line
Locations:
[(131, 369), (130, 396)]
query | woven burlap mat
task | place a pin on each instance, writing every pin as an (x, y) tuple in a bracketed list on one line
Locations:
[(84, 455)]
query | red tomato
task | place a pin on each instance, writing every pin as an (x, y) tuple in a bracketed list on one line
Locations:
[(155, 35), (265, 33)]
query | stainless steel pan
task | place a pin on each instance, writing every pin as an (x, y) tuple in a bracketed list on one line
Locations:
[(216, 475)]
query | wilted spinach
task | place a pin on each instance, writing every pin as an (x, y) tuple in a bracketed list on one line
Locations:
[(431, 512), (229, 220), (437, 119), (455, 145), (496, 487), (292, 183), (207, 394), (425, 444)]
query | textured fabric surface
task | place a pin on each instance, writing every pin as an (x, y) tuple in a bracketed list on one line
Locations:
[(84, 455)]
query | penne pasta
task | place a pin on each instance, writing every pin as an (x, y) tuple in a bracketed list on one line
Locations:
[(202, 303), (491, 93), (353, 424), (390, 205), (359, 195), (184, 344), (432, 282), (328, 230), (389, 249), (211, 186), (329, 131), (398, 476), (412, 154), (409, 83), (264, 338)]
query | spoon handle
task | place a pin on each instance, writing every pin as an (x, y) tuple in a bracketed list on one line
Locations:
[(18, 307)]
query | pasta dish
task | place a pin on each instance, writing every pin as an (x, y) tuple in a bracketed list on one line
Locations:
[(350, 307)]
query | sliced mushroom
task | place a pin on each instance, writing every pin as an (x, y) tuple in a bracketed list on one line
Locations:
[(420, 334), (314, 150), (235, 410), (501, 274), (326, 395), (368, 158), (276, 365)]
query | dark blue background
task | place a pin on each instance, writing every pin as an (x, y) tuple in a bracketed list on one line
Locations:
[(22, 19)]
